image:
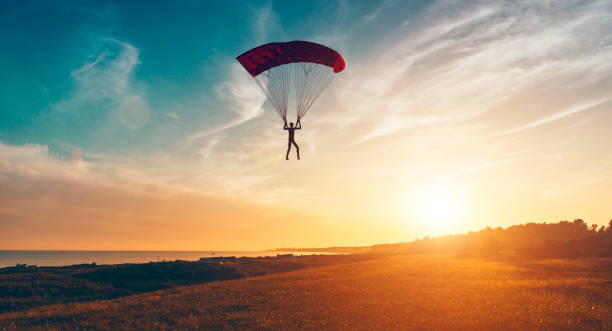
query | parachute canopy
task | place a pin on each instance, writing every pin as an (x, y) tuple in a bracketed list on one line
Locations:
[(310, 66)]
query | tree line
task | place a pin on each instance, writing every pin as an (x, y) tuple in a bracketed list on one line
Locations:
[(564, 239)]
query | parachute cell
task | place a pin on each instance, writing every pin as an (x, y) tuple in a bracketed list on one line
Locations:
[(310, 66)]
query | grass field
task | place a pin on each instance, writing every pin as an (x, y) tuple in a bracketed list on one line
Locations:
[(396, 292), (23, 288)]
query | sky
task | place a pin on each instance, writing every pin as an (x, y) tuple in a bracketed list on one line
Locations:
[(130, 125)]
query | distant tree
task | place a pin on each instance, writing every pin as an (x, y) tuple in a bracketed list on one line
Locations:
[(580, 222), (490, 247)]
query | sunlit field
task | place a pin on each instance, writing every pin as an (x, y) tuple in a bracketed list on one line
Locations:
[(395, 292)]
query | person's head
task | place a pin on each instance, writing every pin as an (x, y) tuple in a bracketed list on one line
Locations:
[(291, 124)]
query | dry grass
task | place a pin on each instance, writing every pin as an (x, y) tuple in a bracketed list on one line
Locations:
[(399, 292)]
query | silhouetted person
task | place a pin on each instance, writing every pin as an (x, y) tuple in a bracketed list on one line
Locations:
[(291, 130)]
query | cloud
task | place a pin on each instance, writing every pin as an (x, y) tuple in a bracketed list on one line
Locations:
[(557, 116), (133, 203), (36, 160), (173, 115), (105, 83), (239, 91), (45, 199), (265, 21), (456, 63), (423, 100), (446, 78), (242, 97), (373, 15), (586, 176)]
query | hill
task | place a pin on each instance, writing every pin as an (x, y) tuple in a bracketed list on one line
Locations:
[(24, 287)]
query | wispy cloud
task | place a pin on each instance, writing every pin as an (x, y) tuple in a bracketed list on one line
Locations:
[(432, 83), (379, 8), (557, 116), (238, 92), (241, 96), (37, 160), (266, 24), (456, 66), (173, 115), (105, 84), (373, 15), (425, 93), (40, 190), (589, 175)]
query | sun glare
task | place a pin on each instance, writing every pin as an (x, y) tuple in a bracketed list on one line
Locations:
[(439, 208)]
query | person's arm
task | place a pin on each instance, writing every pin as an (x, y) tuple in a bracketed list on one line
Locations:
[(285, 127), (298, 125)]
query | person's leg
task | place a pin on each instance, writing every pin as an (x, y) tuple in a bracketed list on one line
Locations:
[(297, 148), (288, 150)]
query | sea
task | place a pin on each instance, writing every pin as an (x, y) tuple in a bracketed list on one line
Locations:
[(9, 258)]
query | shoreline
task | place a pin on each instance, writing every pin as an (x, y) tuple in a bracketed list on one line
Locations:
[(62, 258)]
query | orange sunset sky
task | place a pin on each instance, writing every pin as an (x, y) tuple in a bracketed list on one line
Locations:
[(125, 131)]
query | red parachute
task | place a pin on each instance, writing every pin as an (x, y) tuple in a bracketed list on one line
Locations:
[(310, 66)]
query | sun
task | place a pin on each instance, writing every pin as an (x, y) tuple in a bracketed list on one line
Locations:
[(435, 208), (439, 208)]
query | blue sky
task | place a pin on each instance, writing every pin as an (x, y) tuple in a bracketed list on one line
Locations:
[(178, 52), (134, 120)]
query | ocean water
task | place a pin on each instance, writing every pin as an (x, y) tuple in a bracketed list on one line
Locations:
[(64, 258)]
